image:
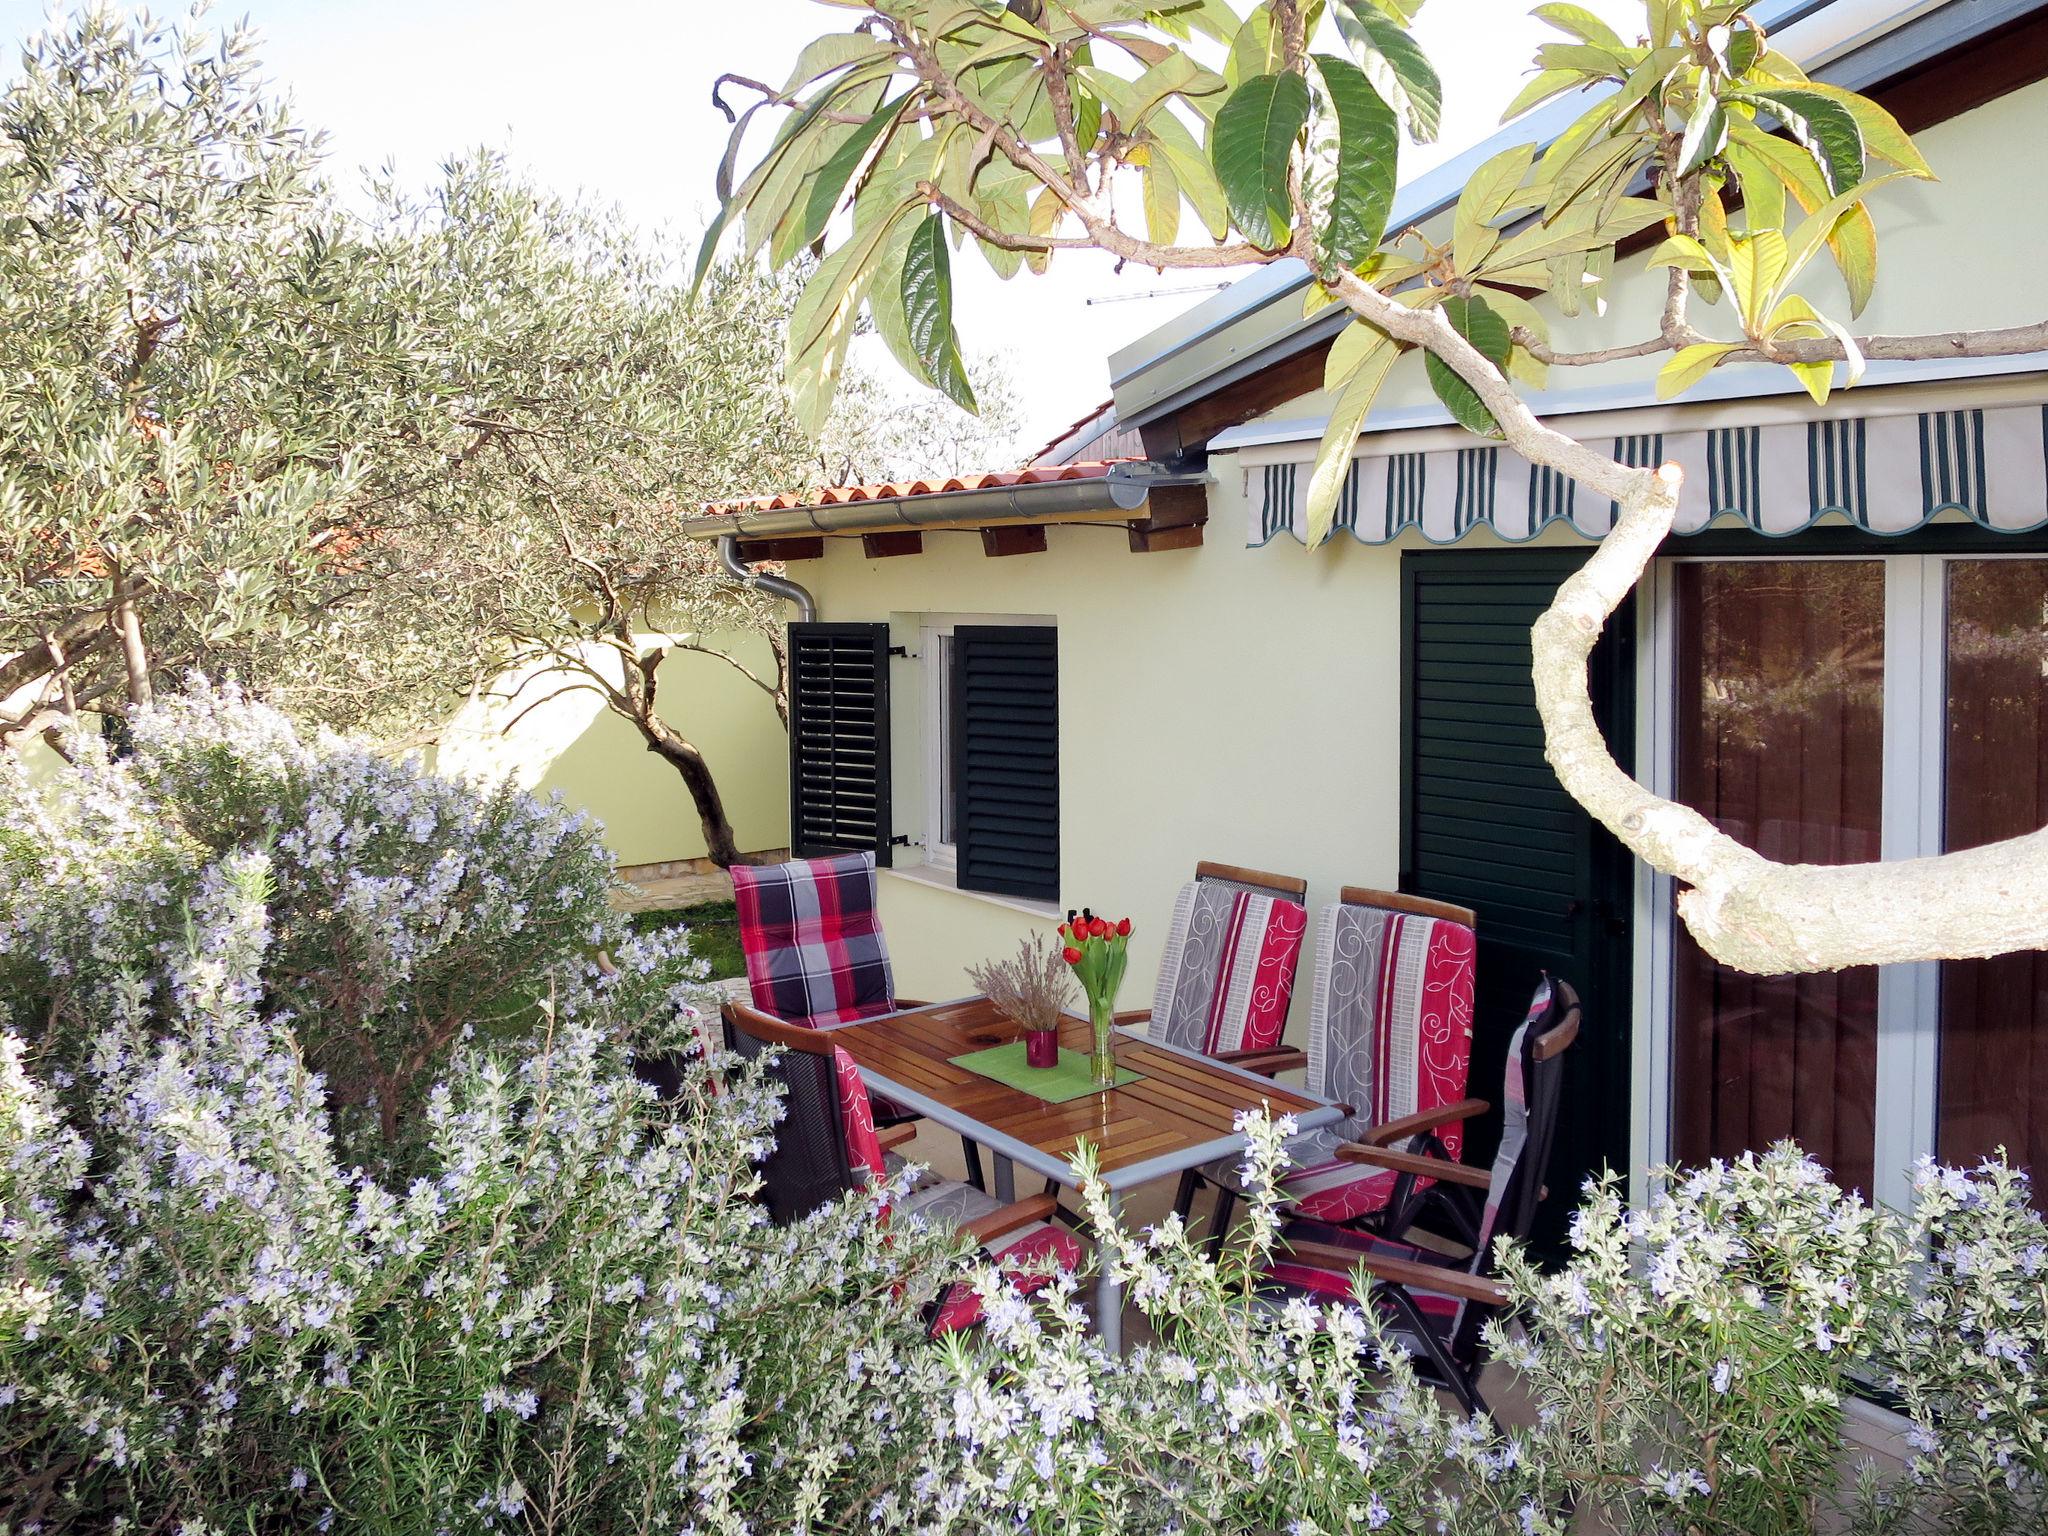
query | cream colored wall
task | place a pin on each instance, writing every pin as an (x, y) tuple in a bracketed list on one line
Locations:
[(1217, 703), (571, 743)]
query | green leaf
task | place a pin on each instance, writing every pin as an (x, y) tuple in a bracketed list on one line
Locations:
[(1706, 130), (1817, 227), (1191, 168), (1795, 314), (1579, 228), (1743, 49), (1178, 74), (1368, 151), (834, 176), (1255, 51), (1548, 83), (1597, 62), (1853, 241), (1482, 325), (833, 51), (1253, 140), (822, 323), (1825, 127), (1882, 135), (1763, 194), (1756, 266), (1376, 355), (928, 310), (1580, 23), (885, 302), (1520, 314), (1396, 65), (1162, 201), (1489, 192), (1688, 365)]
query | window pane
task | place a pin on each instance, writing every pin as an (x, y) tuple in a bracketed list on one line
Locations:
[(1780, 744), (1994, 1061)]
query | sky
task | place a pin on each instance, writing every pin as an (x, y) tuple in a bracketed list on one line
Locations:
[(614, 97)]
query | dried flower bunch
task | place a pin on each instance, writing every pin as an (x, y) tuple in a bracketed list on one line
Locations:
[(1032, 989)]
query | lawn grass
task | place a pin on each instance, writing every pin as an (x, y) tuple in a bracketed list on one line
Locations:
[(714, 933)]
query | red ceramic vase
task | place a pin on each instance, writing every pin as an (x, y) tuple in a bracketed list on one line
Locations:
[(1042, 1047)]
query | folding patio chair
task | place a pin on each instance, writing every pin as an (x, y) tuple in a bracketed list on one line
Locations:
[(827, 1145), (1227, 975), (1390, 1038), (1437, 1305), (815, 952)]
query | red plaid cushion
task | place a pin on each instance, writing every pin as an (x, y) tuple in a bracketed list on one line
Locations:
[(815, 954)]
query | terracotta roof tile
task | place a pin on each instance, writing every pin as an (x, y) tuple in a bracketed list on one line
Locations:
[(837, 495)]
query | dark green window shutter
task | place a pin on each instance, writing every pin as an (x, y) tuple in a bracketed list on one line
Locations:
[(1006, 760), (839, 739)]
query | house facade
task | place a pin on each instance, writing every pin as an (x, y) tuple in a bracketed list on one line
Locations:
[(1034, 692)]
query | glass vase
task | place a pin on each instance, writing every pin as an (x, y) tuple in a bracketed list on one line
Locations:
[(1103, 1016)]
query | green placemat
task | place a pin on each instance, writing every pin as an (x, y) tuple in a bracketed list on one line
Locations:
[(1073, 1078)]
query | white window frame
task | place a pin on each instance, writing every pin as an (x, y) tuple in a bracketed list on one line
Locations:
[(1911, 820), (935, 638)]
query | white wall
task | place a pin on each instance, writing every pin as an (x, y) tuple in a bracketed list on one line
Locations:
[(1216, 703)]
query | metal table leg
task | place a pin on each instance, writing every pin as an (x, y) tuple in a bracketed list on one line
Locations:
[(1006, 1179), (1109, 1294)]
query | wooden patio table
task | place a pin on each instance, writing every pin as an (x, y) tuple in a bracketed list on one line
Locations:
[(1180, 1114)]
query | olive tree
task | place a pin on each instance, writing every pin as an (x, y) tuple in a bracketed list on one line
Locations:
[(1206, 134), (367, 453)]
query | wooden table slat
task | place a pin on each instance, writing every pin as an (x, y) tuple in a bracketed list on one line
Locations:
[(1180, 1104)]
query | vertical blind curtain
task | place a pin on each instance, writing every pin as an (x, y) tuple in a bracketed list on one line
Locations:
[(1781, 746), (1887, 474), (1994, 1013)]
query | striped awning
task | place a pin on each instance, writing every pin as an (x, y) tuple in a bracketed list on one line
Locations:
[(1888, 474)]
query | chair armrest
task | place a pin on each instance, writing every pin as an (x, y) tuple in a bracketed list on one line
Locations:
[(912, 1002), (1424, 1120), (1020, 1214), (896, 1135), (1409, 1274), (1413, 1162), (1131, 1016), (1279, 1058)]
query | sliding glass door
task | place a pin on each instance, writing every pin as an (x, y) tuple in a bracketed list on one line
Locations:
[(1839, 710), (1994, 1054)]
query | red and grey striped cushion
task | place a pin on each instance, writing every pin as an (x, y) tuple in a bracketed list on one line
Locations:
[(813, 941), (1390, 1021), (1228, 972), (1390, 1033)]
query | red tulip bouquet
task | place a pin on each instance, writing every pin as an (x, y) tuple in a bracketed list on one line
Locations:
[(1098, 950)]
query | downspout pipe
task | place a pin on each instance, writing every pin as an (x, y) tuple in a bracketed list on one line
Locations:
[(761, 581)]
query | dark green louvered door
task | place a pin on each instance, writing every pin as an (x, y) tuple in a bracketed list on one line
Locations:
[(1485, 824)]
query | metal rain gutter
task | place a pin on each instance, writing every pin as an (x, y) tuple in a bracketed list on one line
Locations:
[(991, 506), (762, 581)]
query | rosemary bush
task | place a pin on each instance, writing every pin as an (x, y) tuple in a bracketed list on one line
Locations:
[(571, 1316), (550, 1303), (403, 909)]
